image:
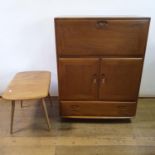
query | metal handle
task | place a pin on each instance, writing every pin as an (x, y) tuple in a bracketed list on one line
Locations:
[(95, 81), (75, 108), (95, 78), (102, 78), (101, 24)]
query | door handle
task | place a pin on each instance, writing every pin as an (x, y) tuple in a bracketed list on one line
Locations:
[(102, 78), (94, 78), (95, 81)]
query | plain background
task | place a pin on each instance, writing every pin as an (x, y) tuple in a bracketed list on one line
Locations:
[(27, 39)]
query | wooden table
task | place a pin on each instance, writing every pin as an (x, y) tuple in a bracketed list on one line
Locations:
[(28, 85)]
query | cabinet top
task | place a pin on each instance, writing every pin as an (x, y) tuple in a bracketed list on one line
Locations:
[(102, 17)]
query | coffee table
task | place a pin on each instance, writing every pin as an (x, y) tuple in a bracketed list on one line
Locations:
[(28, 85)]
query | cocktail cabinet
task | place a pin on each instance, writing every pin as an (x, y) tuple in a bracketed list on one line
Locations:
[(100, 62)]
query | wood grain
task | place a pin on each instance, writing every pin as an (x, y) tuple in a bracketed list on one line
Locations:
[(77, 137), (28, 85), (117, 48), (79, 78), (103, 36), (120, 79), (97, 109), (108, 150)]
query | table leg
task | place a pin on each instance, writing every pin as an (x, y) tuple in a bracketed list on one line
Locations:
[(12, 115), (46, 113), (21, 102), (50, 98)]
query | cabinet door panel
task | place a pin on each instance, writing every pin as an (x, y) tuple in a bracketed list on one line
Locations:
[(103, 36), (120, 78), (78, 78)]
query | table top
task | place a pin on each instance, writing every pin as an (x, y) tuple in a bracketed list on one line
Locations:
[(28, 85)]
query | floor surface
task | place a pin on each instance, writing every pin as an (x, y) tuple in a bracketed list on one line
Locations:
[(75, 137)]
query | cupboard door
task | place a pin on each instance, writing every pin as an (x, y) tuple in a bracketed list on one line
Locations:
[(78, 78), (120, 78)]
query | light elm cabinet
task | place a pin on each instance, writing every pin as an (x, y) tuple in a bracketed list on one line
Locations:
[(100, 63)]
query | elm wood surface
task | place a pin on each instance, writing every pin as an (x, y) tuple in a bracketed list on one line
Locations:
[(118, 44), (76, 137), (79, 78), (109, 37), (26, 86), (12, 115), (97, 109), (120, 79)]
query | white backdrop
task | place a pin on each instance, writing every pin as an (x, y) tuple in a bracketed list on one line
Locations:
[(27, 40)]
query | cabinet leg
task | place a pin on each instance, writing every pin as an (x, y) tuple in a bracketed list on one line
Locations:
[(46, 113), (12, 116)]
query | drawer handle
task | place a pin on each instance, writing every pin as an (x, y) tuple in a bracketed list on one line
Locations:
[(101, 24), (75, 106)]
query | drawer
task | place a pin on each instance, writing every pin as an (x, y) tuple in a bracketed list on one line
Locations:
[(101, 36), (97, 108)]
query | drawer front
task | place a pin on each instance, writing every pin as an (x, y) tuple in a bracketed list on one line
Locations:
[(109, 37), (97, 108)]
